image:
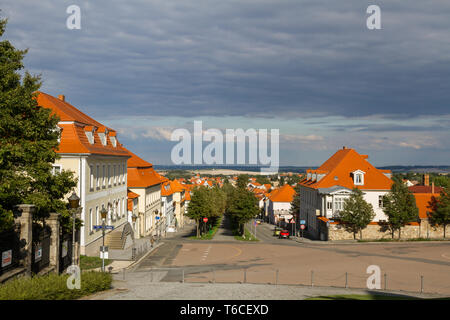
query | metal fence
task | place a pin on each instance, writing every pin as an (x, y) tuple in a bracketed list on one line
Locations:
[(9, 250), (417, 283), (40, 255), (65, 252)]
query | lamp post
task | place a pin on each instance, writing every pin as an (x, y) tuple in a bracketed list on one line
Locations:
[(103, 213), (74, 202)]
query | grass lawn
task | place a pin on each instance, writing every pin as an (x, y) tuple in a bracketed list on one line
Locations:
[(248, 236), (87, 263), (54, 287), (210, 234)]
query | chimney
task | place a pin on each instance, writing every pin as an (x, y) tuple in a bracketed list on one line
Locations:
[(426, 179), (62, 97), (432, 187), (343, 148)]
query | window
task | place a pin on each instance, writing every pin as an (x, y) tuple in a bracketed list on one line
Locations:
[(124, 174), (56, 169), (109, 175), (97, 216), (358, 179), (91, 226), (98, 177), (104, 176), (91, 177), (329, 205), (338, 204), (380, 201), (114, 172)]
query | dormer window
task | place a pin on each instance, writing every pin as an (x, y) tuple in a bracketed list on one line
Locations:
[(113, 141), (89, 131), (358, 177)]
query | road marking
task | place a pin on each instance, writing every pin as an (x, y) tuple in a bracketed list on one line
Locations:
[(446, 255)]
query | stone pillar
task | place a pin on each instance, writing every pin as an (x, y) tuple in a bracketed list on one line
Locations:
[(53, 223), (23, 216)]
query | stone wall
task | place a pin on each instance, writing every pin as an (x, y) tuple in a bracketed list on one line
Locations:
[(379, 231)]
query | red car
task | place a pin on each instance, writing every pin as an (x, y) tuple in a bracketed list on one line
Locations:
[(284, 234)]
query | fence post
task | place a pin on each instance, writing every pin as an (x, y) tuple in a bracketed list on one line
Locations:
[(182, 277), (276, 278), (421, 284), (312, 278), (214, 275), (151, 274), (123, 271), (346, 280), (385, 281), (23, 215), (53, 222), (245, 275)]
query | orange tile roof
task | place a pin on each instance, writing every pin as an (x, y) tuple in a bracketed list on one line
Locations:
[(425, 189), (284, 194), (338, 168), (132, 195), (73, 131)]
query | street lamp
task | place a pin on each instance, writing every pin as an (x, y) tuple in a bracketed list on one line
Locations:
[(103, 214), (74, 203)]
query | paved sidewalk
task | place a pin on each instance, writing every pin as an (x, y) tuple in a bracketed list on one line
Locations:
[(224, 232)]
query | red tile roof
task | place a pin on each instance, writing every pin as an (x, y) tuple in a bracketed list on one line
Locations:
[(425, 189), (284, 194), (74, 124), (338, 170)]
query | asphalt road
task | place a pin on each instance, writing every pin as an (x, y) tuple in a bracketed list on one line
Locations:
[(226, 261)]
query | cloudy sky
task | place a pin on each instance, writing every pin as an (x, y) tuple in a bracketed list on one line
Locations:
[(311, 69)]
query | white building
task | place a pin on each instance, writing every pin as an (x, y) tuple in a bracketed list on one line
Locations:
[(323, 191)]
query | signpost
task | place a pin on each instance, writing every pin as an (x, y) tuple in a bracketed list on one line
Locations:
[(295, 226), (103, 248), (302, 226)]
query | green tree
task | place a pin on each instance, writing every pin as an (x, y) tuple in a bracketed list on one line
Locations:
[(243, 208), (440, 206), (199, 206), (295, 204), (242, 181), (28, 140), (400, 206), (262, 179), (357, 213)]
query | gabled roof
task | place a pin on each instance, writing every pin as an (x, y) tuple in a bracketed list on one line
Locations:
[(75, 125), (284, 194), (337, 170)]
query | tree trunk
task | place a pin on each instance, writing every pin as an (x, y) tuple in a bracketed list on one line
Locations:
[(198, 228), (360, 234), (444, 229), (399, 233)]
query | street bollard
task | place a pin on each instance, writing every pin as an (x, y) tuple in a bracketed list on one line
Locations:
[(312, 278)]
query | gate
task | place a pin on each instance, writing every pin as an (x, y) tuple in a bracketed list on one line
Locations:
[(65, 252), (9, 250), (40, 255)]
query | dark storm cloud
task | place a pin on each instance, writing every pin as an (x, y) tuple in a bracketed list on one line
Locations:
[(240, 58)]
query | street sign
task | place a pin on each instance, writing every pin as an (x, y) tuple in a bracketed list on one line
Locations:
[(302, 226), (157, 217), (106, 227), (302, 222), (292, 221), (205, 219)]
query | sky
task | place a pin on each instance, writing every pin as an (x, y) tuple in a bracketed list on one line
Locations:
[(311, 69)]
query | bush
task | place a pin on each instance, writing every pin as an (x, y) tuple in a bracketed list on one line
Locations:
[(54, 287)]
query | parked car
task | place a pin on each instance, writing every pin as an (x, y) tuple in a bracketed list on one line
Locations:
[(284, 234), (276, 231), (258, 221)]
